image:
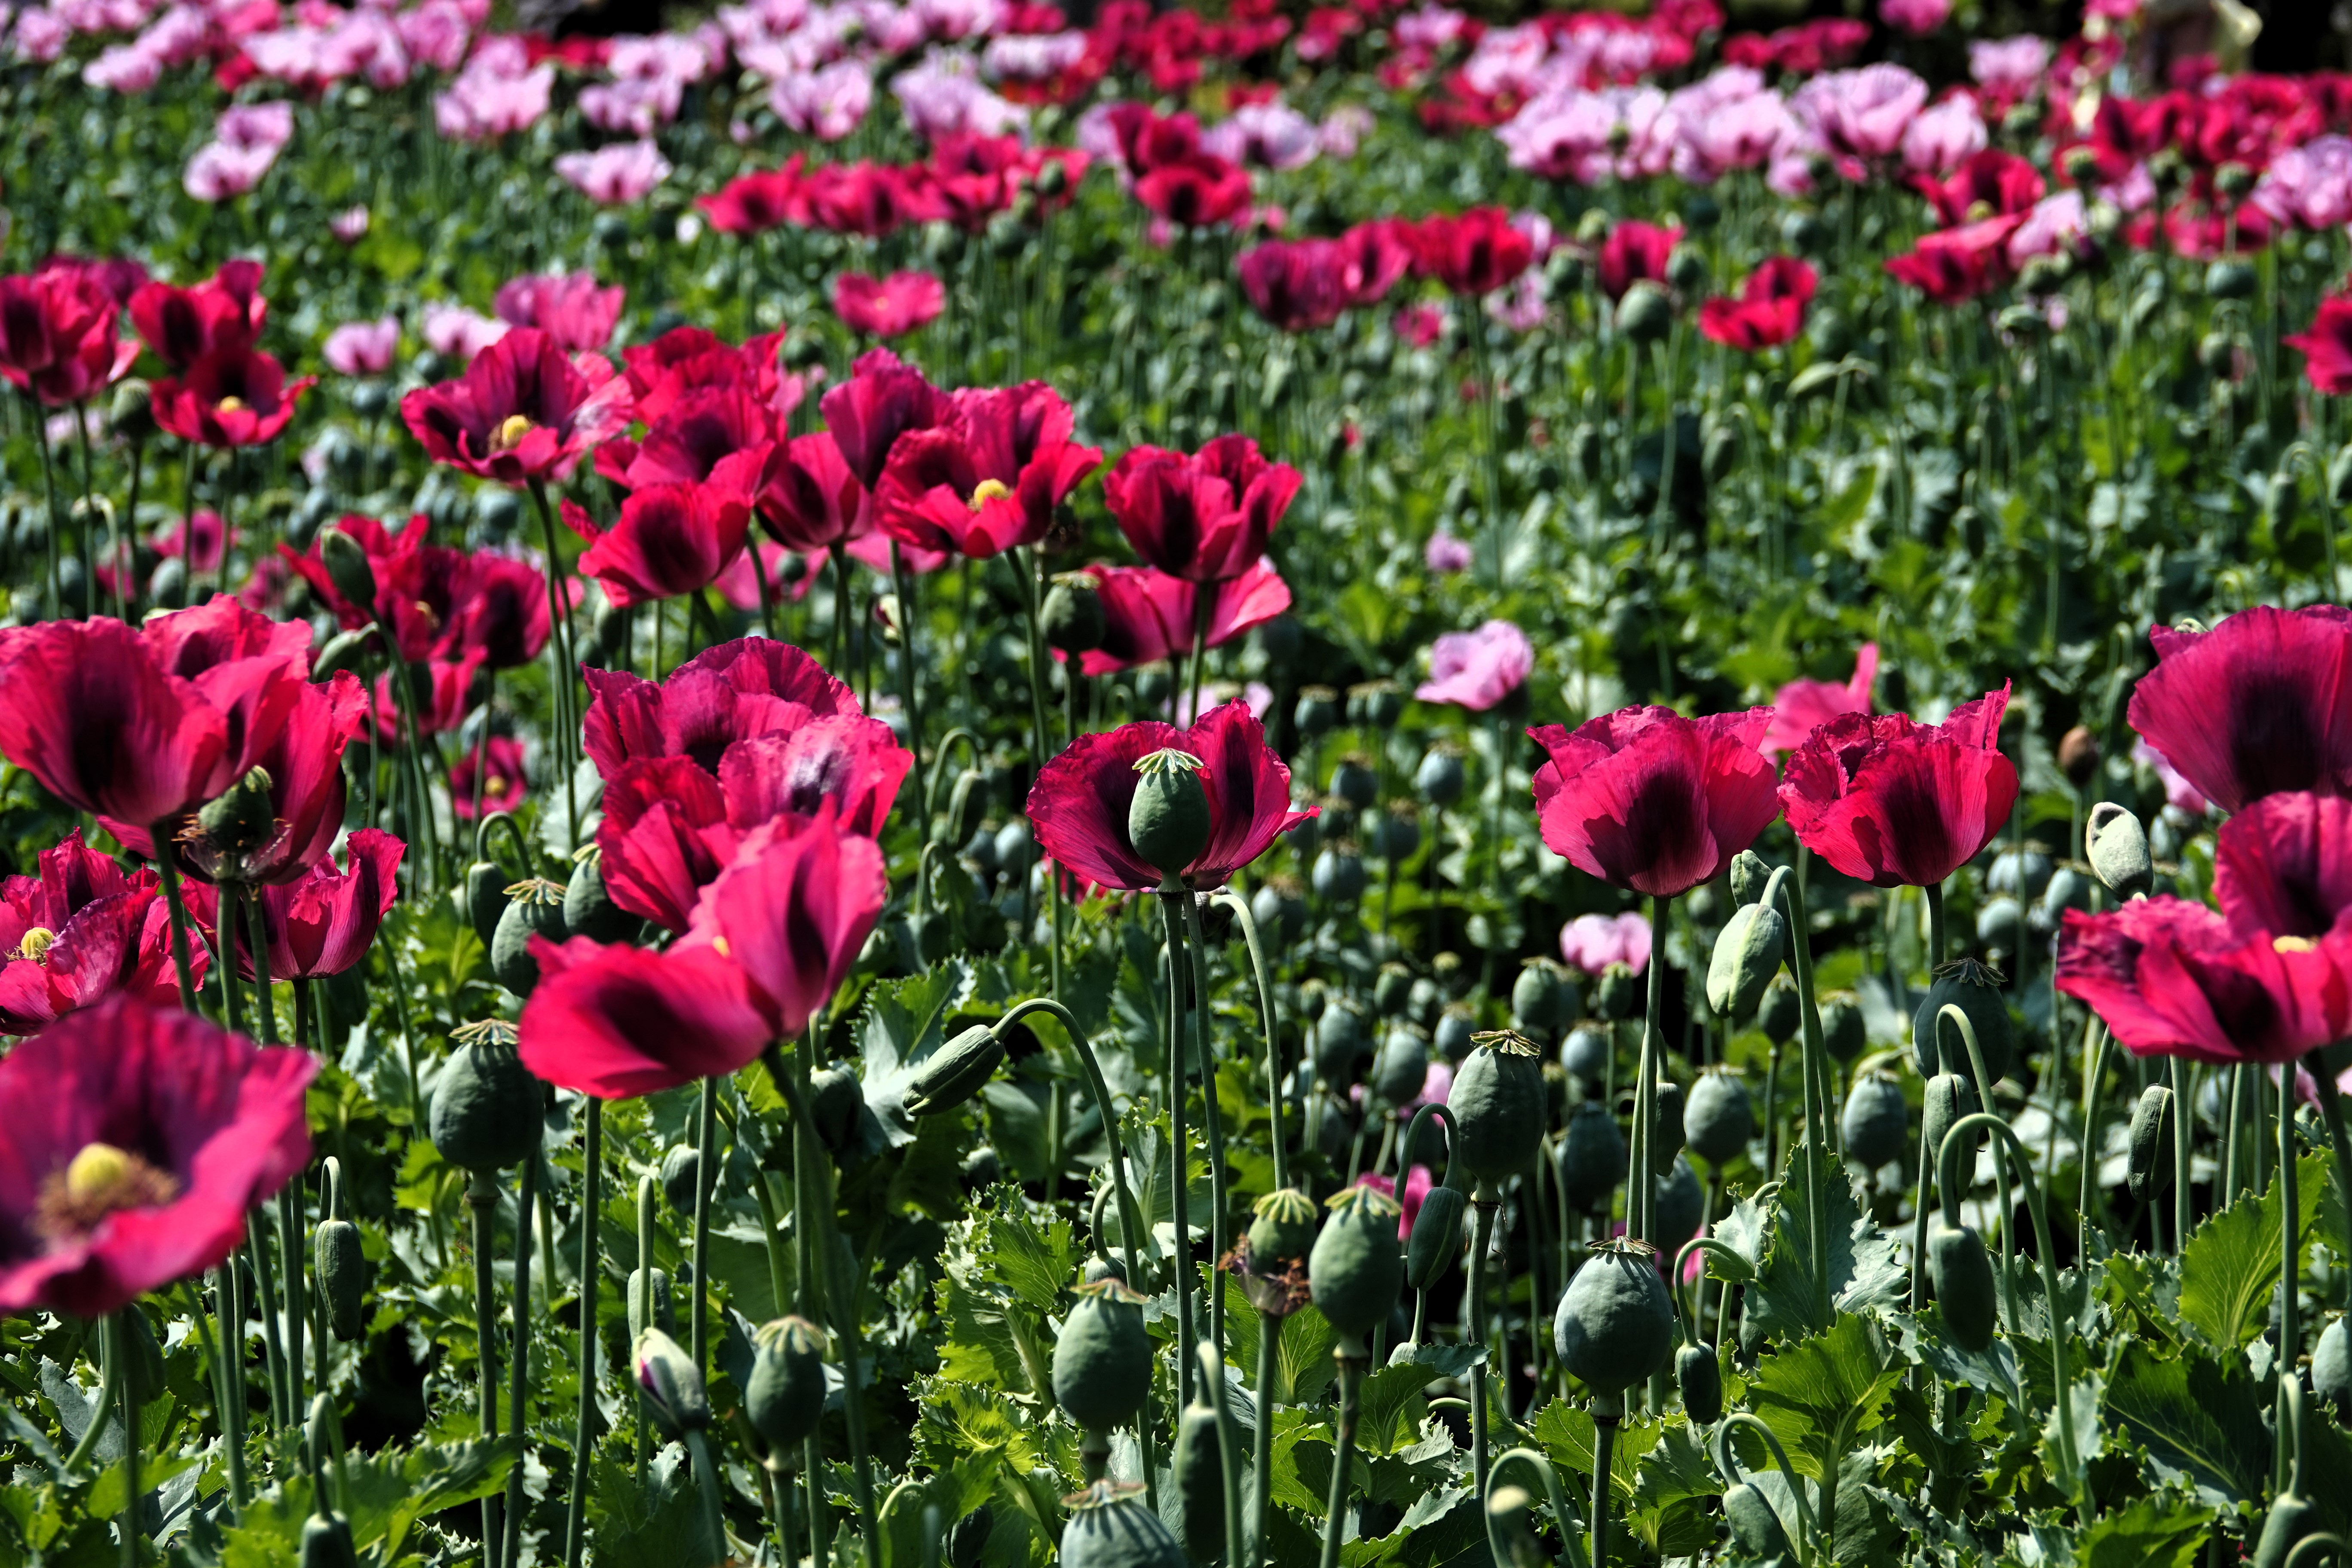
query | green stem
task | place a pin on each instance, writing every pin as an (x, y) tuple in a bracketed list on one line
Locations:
[(1130, 1216), (1229, 1455), (1212, 1119), (1608, 1413), (707, 1483), (257, 1233), (1951, 1194), (1484, 1202), (2092, 1082), (482, 1197), (1269, 1340), (563, 668), (519, 1375), (1805, 1526), (1800, 961), (1240, 909), (591, 1280), (705, 1175), (109, 1389), (903, 584), (1180, 1144), (1572, 1550), (133, 1491), (2178, 1074), (2290, 1228), (2331, 1108), (1351, 1383), (643, 1313)]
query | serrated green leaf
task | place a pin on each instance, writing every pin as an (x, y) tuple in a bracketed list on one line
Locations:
[(1789, 1299), (1390, 1407), (1818, 1393), (2145, 1532), (2229, 1269), (2197, 1418)]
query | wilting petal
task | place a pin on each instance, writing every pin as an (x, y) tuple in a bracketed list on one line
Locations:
[(618, 1022)]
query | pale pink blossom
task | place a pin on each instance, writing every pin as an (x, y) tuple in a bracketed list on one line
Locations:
[(457, 333), (178, 36), (1803, 706), (2055, 223), (1445, 554), (220, 171), (248, 126), (1917, 18), (894, 29), (123, 67), (39, 35), (952, 20), (362, 348), (1271, 135), (1593, 943), (350, 225), (434, 33), (827, 104), (2310, 184), (615, 176), (682, 58), (1728, 120), (1945, 136), (1861, 114), (944, 94), (1344, 130), (636, 106), (487, 101), (1521, 306), (1431, 27), (1032, 56), (2009, 67), (1477, 669), (575, 311)]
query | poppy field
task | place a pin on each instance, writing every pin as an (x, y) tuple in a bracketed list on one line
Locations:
[(943, 786)]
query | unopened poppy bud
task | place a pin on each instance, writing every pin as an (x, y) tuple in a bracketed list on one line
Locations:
[(2116, 846), (2149, 1168), (1687, 269), (340, 652), (241, 819), (2229, 280), (341, 1269), (2233, 179), (1510, 1511), (327, 1543), (2078, 756), (1747, 955), (132, 414), (1053, 178), (954, 1073), (2080, 165), (1644, 314), (670, 1383), (347, 567), (785, 1397), (1072, 620), (1748, 874), (1167, 820)]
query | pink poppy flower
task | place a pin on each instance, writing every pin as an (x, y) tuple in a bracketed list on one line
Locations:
[(1478, 670)]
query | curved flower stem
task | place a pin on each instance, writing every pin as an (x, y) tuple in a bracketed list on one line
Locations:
[(1130, 1218), (1571, 1554), (705, 1174), (1212, 1119), (1240, 908), (519, 1377), (1484, 1202), (1801, 963), (1951, 1194), (2091, 1084), (1179, 1145), (482, 1197), (1693, 1332), (1948, 1160), (2313, 1550), (706, 1477), (1805, 1525), (1352, 1385), (1229, 1447), (591, 1279)]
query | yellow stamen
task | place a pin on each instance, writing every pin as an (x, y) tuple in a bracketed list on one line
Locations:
[(510, 433), (2294, 944), (36, 946), (232, 405), (494, 787), (97, 1171), (988, 491), (100, 1180)]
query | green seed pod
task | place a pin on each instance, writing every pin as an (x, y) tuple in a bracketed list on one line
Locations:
[(2331, 1367), (2292, 1516), (665, 1318), (1317, 711), (2150, 1168), (1699, 1374), (589, 910), (1964, 1286), (341, 1269), (1110, 1528), (1754, 1525), (1201, 1479), (1843, 1031), (1592, 1156), (1339, 1041), (1618, 993), (1354, 781), (327, 1543), (1498, 1101), (1439, 778), (835, 1097), (1782, 1012), (1677, 1201), (2022, 873), (1669, 1145), (1454, 1031), (2229, 280), (2068, 889), (1102, 1362), (481, 898), (1355, 1268), (955, 1072), (1876, 1122), (240, 819), (681, 1174), (1644, 314), (785, 1398), (487, 1111), (1167, 820), (1977, 992), (1687, 269), (1072, 620), (1436, 1239), (347, 567), (1747, 953), (1718, 1118), (1401, 1068), (1536, 998), (1338, 874), (1584, 1055), (1391, 990), (1614, 1326), (670, 1383), (534, 908), (1283, 1230), (132, 414), (2116, 846)]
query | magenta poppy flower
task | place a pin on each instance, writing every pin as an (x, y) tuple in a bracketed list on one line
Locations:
[(887, 307), (1297, 286), (750, 687), (497, 612), (1803, 706), (1475, 253), (322, 923), (574, 310), (847, 761), (2282, 867), (793, 911), (762, 200), (1478, 670), (303, 756), (522, 412), (665, 836), (988, 477), (1148, 615), (58, 339), (79, 932), (670, 539), (717, 435), (231, 397), (809, 498), (1652, 802), (691, 359), (491, 773), (1199, 192), (2327, 347), (182, 325), (2260, 705), (618, 1022), (1634, 251), (882, 400), (1204, 517), (1895, 803), (2172, 978), (139, 1139), (1991, 183), (1769, 312), (1376, 255), (1080, 801)]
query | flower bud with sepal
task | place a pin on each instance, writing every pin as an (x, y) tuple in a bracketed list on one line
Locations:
[(955, 1072), (669, 1383)]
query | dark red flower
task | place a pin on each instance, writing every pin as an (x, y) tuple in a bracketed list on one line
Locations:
[(988, 477), (872, 199), (617, 1022), (1894, 803), (1204, 517), (731, 692), (1648, 800), (573, 311), (1634, 251), (440, 694), (521, 411), (58, 335), (1298, 286), (1475, 253), (323, 925), (1954, 264), (494, 772), (2282, 867), (139, 1139), (882, 400), (665, 836), (79, 932), (182, 325), (1199, 192), (1376, 254), (845, 764), (792, 912), (231, 397), (417, 585), (2327, 346), (751, 203), (2171, 978), (1769, 312), (670, 539), (1148, 615), (887, 307), (808, 497), (499, 612), (1148, 140), (303, 755), (719, 437), (1079, 803), (2260, 705), (689, 359), (1991, 183)]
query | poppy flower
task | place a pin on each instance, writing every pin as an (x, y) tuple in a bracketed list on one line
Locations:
[(750, 687), (2282, 867), (871, 199), (573, 311), (81, 931), (1374, 256), (1633, 252), (1477, 669), (664, 838), (1991, 183), (58, 335), (809, 498), (1769, 312), (719, 435), (793, 911), (845, 764), (1954, 264), (498, 611), (1895, 803), (1592, 943), (882, 400), (231, 397), (1205, 517), (1476, 252), (1297, 286), (2172, 978), (1803, 706), (754, 203), (1150, 616), (492, 770), (322, 923), (1079, 803), (618, 1022), (416, 583), (988, 477), (1650, 801), (670, 539), (686, 360), (1199, 192), (303, 757), (887, 307), (139, 1139), (521, 413), (185, 324), (2327, 347), (2260, 705)]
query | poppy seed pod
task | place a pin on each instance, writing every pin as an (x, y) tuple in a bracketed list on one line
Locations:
[(1875, 1120), (1536, 998), (785, 1398), (1645, 313), (1439, 778), (1317, 710), (1339, 1041), (1585, 1055), (1436, 1239), (1391, 989), (1718, 1118), (347, 567), (2331, 1367), (1355, 1268), (1614, 1325), (1102, 1362), (1618, 993), (1072, 620), (1977, 992), (1592, 1156), (1454, 1030), (488, 1109), (1201, 1478), (1498, 1101), (1400, 1066), (241, 818), (1283, 1228), (589, 910), (327, 1543), (1844, 1030), (1686, 267), (1355, 783), (1747, 953), (1110, 1528), (1699, 1375), (1167, 820), (1676, 1202), (669, 1381), (2150, 1164), (534, 907), (955, 1072), (1962, 1273), (835, 1097), (2116, 846), (1338, 873), (132, 413), (2078, 755)]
